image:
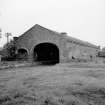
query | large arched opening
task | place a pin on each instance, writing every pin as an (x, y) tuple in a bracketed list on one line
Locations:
[(46, 53), (22, 54)]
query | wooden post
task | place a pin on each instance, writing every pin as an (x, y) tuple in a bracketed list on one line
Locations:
[(7, 35), (0, 58)]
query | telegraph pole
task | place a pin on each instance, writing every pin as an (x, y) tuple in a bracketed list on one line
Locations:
[(0, 32), (8, 35)]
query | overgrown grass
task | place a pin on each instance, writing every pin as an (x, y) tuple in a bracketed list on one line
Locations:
[(58, 86), (85, 96)]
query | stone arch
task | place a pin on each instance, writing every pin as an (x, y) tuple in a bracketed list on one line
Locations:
[(22, 54), (46, 53)]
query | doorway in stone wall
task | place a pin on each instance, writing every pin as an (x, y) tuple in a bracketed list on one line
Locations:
[(46, 53), (22, 54)]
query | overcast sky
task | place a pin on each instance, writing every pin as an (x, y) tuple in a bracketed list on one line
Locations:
[(83, 19)]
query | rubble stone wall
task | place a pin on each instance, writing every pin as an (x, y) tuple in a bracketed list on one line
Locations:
[(67, 50)]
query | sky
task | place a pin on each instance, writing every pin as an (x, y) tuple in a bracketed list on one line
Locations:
[(82, 19)]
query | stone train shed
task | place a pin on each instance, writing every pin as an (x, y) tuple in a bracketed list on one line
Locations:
[(42, 44)]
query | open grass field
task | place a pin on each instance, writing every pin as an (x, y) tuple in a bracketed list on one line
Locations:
[(62, 84)]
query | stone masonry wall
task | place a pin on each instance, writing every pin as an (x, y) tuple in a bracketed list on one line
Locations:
[(67, 49), (38, 35)]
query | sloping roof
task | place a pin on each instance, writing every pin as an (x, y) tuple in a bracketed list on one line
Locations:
[(37, 26), (69, 37), (81, 41)]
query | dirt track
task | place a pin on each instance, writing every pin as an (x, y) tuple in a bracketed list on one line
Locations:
[(63, 84)]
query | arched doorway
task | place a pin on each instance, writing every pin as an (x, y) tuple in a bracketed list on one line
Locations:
[(22, 54), (46, 53)]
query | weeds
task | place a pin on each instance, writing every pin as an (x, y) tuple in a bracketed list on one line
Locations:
[(4, 99)]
